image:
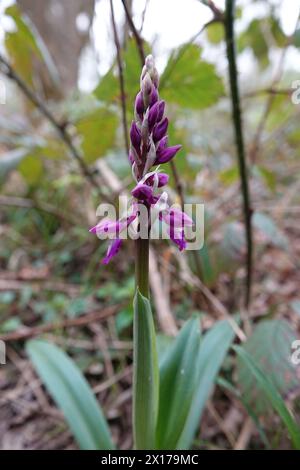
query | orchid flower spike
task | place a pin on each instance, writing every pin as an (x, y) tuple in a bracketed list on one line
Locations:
[(148, 148)]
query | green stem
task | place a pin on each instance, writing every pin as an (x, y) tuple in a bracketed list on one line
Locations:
[(237, 121), (142, 266)]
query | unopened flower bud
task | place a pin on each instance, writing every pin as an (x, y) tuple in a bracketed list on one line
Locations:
[(135, 136), (146, 89), (160, 130)]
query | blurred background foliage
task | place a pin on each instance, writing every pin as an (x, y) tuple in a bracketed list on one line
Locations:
[(50, 272)]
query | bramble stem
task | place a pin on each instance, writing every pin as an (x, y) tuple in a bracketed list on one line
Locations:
[(237, 121)]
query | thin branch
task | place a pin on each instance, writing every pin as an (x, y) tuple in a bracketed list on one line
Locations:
[(121, 76), (185, 47), (61, 128), (144, 15), (237, 121), (268, 91), (137, 37)]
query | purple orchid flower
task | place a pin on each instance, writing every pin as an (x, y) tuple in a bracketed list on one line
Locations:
[(148, 137)]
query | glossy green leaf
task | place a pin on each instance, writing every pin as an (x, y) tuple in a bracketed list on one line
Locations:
[(97, 131), (72, 394), (213, 350), (272, 394), (145, 375), (177, 384), (189, 81)]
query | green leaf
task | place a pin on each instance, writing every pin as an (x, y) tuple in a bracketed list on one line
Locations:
[(208, 272), (177, 384), (270, 348), (108, 90), (230, 175), (145, 375), (296, 41), (213, 350), (215, 32), (189, 81), (272, 394), (98, 131), (255, 39), (124, 319), (72, 394), (26, 48), (268, 177), (31, 168)]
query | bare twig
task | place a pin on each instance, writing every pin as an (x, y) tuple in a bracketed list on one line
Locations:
[(137, 37), (121, 76), (268, 91), (184, 49), (144, 15), (60, 127), (245, 435), (91, 317), (237, 122)]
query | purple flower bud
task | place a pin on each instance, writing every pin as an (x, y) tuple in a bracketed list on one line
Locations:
[(146, 88), (135, 136), (149, 62), (163, 179), (167, 154), (153, 97), (161, 110), (160, 130), (162, 145), (141, 191), (152, 117), (139, 104)]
